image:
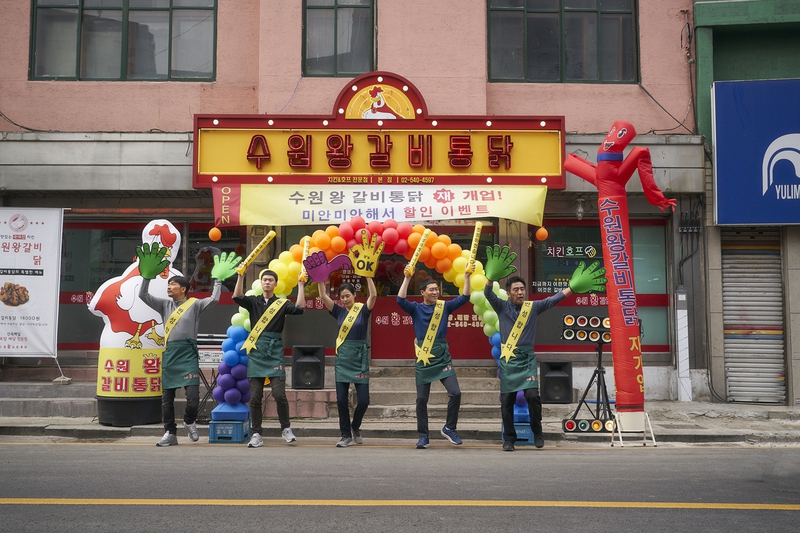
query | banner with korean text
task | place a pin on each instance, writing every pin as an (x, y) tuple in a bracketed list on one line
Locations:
[(30, 271), (295, 204)]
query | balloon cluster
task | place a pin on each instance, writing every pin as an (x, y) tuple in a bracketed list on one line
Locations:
[(232, 384), (491, 322)]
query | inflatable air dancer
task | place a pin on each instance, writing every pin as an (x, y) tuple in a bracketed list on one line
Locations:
[(612, 172)]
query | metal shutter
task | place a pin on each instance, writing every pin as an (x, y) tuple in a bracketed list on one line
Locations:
[(752, 315)]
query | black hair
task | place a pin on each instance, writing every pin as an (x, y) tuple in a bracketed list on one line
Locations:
[(426, 282), (515, 279), (180, 280), (346, 287), (268, 272)]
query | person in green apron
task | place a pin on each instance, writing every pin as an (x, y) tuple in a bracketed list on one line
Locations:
[(433, 360), (517, 317), (265, 349), (352, 355), (180, 362)]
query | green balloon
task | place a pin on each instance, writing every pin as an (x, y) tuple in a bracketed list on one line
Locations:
[(246, 324), (489, 317), (489, 330), (477, 298), (237, 319)]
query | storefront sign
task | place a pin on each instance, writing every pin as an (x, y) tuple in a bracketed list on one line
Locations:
[(379, 134), (757, 152), (30, 267)]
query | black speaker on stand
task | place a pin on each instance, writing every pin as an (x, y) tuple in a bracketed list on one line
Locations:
[(308, 367), (555, 381)]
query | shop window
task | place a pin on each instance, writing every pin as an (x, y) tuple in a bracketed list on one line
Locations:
[(338, 37), (123, 39), (562, 41)]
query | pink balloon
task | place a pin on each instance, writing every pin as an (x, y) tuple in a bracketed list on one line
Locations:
[(404, 229), (389, 223), (388, 249), (346, 231), (357, 223), (401, 247), (375, 227), (351, 243), (390, 236)]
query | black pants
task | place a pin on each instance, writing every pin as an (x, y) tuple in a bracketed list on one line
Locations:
[(168, 407), (534, 406), (453, 404), (362, 402), (278, 386)]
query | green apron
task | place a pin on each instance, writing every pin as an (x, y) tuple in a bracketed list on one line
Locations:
[(266, 360), (180, 364), (441, 365), (520, 372), (352, 362)]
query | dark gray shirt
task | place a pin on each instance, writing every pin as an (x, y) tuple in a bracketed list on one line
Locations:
[(508, 313), (186, 327)]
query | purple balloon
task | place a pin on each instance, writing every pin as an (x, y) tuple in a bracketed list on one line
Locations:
[(239, 372), (245, 397), (218, 394), (226, 381), (521, 401), (232, 396), (223, 368), (243, 385)]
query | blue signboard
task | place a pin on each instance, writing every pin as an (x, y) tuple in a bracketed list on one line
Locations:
[(757, 152)]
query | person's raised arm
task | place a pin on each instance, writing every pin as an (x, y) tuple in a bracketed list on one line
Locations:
[(238, 291), (322, 286), (467, 284), (301, 293), (403, 291), (373, 294)]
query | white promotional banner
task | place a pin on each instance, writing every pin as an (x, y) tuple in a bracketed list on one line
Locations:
[(30, 271)]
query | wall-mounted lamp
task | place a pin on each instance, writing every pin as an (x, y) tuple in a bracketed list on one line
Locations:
[(579, 210)]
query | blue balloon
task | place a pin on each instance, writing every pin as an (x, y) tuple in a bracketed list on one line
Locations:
[(496, 352), (239, 348), (495, 340), (223, 368), (237, 333), (243, 360), (218, 394), (226, 381), (228, 344), (231, 358), (243, 385), (232, 396), (239, 372)]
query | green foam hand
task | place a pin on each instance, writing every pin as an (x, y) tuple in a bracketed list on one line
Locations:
[(151, 259), (590, 278), (225, 265), (498, 262)]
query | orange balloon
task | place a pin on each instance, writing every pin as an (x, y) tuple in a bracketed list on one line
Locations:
[(431, 240), (322, 241), (315, 234), (330, 254), (439, 250), (214, 234), (413, 241), (541, 234), (419, 228), (338, 244), (424, 254), (409, 253), (431, 263), (311, 250), (297, 252), (453, 251), (443, 265), (445, 239), (332, 231)]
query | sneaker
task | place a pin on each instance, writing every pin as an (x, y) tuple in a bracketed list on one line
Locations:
[(357, 436), (508, 446), (194, 436), (169, 439), (344, 443), (538, 440), (422, 443), (451, 435), (256, 441), (288, 435)]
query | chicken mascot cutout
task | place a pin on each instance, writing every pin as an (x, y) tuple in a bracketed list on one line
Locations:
[(612, 172)]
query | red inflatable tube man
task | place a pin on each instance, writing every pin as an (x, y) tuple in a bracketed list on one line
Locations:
[(612, 172)]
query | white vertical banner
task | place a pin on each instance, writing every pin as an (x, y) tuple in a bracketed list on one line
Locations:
[(30, 272)]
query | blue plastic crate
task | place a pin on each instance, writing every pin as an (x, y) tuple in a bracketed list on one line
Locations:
[(522, 415), (229, 431), (524, 434)]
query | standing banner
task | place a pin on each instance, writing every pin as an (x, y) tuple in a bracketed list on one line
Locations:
[(30, 271)]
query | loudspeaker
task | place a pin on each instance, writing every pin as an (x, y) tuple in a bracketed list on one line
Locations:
[(308, 367), (555, 381)]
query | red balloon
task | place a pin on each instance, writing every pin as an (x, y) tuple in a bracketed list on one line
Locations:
[(390, 236), (357, 236), (388, 250), (346, 231), (375, 227), (351, 243), (404, 229), (357, 223), (390, 223), (401, 247)]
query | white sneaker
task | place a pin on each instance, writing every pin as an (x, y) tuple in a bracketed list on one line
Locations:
[(256, 441), (168, 440), (357, 436), (288, 435), (344, 443), (194, 436)]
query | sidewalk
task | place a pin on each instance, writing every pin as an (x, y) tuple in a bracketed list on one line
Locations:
[(673, 423)]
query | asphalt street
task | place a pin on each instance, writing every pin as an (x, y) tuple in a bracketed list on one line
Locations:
[(130, 485)]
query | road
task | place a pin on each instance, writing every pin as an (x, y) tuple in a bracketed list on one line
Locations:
[(64, 485)]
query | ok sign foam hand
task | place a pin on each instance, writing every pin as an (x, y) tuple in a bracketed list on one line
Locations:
[(365, 256)]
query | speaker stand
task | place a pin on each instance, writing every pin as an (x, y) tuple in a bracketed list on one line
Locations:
[(602, 410)]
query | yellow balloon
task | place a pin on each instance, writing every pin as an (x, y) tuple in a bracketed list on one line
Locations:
[(294, 270), (450, 275), (459, 281), (281, 270), (280, 287), (286, 257), (290, 282), (478, 268), (465, 253), (477, 282), (460, 264), (272, 264)]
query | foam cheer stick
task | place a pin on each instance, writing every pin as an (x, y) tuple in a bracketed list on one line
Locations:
[(473, 250), (306, 245), (411, 264), (257, 250)]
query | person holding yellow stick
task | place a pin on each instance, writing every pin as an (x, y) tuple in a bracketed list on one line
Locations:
[(265, 348), (433, 360)]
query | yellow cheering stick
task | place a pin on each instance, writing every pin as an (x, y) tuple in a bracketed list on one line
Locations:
[(257, 250), (409, 269), (306, 246), (473, 250)]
